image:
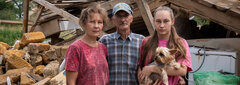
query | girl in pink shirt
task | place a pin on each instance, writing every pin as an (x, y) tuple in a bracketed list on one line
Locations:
[(164, 36)]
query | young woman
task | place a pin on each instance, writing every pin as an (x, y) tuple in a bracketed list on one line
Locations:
[(86, 62), (164, 36)]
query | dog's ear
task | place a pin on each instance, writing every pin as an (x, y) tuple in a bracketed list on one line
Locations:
[(172, 51)]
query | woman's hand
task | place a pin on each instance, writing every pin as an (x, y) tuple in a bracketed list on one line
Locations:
[(146, 72), (151, 83)]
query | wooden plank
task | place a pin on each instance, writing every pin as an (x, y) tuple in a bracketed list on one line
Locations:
[(13, 22), (232, 23), (38, 17), (48, 17), (146, 14), (25, 16), (205, 2), (43, 82), (49, 28), (61, 12), (234, 12), (222, 6)]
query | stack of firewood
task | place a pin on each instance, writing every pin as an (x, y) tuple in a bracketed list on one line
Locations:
[(31, 62)]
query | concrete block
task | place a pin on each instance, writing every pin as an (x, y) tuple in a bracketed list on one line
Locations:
[(32, 37), (51, 69), (38, 47)]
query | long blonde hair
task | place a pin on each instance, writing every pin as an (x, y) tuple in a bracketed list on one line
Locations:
[(174, 42)]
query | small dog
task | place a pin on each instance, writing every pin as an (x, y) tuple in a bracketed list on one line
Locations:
[(164, 57)]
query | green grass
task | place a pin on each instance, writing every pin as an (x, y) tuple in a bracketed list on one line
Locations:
[(9, 36)]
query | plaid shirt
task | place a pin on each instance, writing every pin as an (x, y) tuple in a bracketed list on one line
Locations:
[(122, 56)]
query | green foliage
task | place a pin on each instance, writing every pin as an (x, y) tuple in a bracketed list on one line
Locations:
[(9, 36), (7, 10), (12, 10), (201, 21)]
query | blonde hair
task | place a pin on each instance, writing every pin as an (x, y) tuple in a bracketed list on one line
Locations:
[(94, 8)]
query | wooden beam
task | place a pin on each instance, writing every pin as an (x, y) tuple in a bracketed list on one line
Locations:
[(231, 22), (48, 17), (13, 22), (146, 14), (61, 12), (25, 16), (38, 17)]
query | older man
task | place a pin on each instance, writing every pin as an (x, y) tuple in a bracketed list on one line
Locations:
[(123, 47)]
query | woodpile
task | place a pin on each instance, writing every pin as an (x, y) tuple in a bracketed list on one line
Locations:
[(32, 62)]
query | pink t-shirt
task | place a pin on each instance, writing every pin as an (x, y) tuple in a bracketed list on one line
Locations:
[(89, 62), (163, 43)]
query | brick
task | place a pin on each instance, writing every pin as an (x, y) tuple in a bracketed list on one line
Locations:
[(51, 54), (39, 69), (5, 45), (18, 62), (60, 51), (2, 49), (14, 75), (45, 59), (38, 47), (36, 60), (19, 53), (25, 80), (32, 37), (59, 79), (51, 69)]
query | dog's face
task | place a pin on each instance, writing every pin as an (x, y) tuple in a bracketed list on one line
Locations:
[(164, 55)]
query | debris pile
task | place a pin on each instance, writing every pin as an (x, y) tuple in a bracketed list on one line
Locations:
[(31, 62)]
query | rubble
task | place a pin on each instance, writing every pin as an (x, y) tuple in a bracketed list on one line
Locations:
[(51, 69), (32, 37), (30, 62), (5, 45)]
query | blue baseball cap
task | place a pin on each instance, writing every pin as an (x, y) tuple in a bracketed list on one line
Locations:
[(122, 6)]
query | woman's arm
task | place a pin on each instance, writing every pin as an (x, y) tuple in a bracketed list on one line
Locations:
[(182, 71), (71, 77)]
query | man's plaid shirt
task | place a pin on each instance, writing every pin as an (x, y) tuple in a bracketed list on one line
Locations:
[(122, 56)]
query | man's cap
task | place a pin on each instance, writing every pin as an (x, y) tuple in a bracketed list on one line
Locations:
[(122, 6)]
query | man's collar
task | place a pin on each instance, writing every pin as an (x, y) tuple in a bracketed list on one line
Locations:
[(117, 36)]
